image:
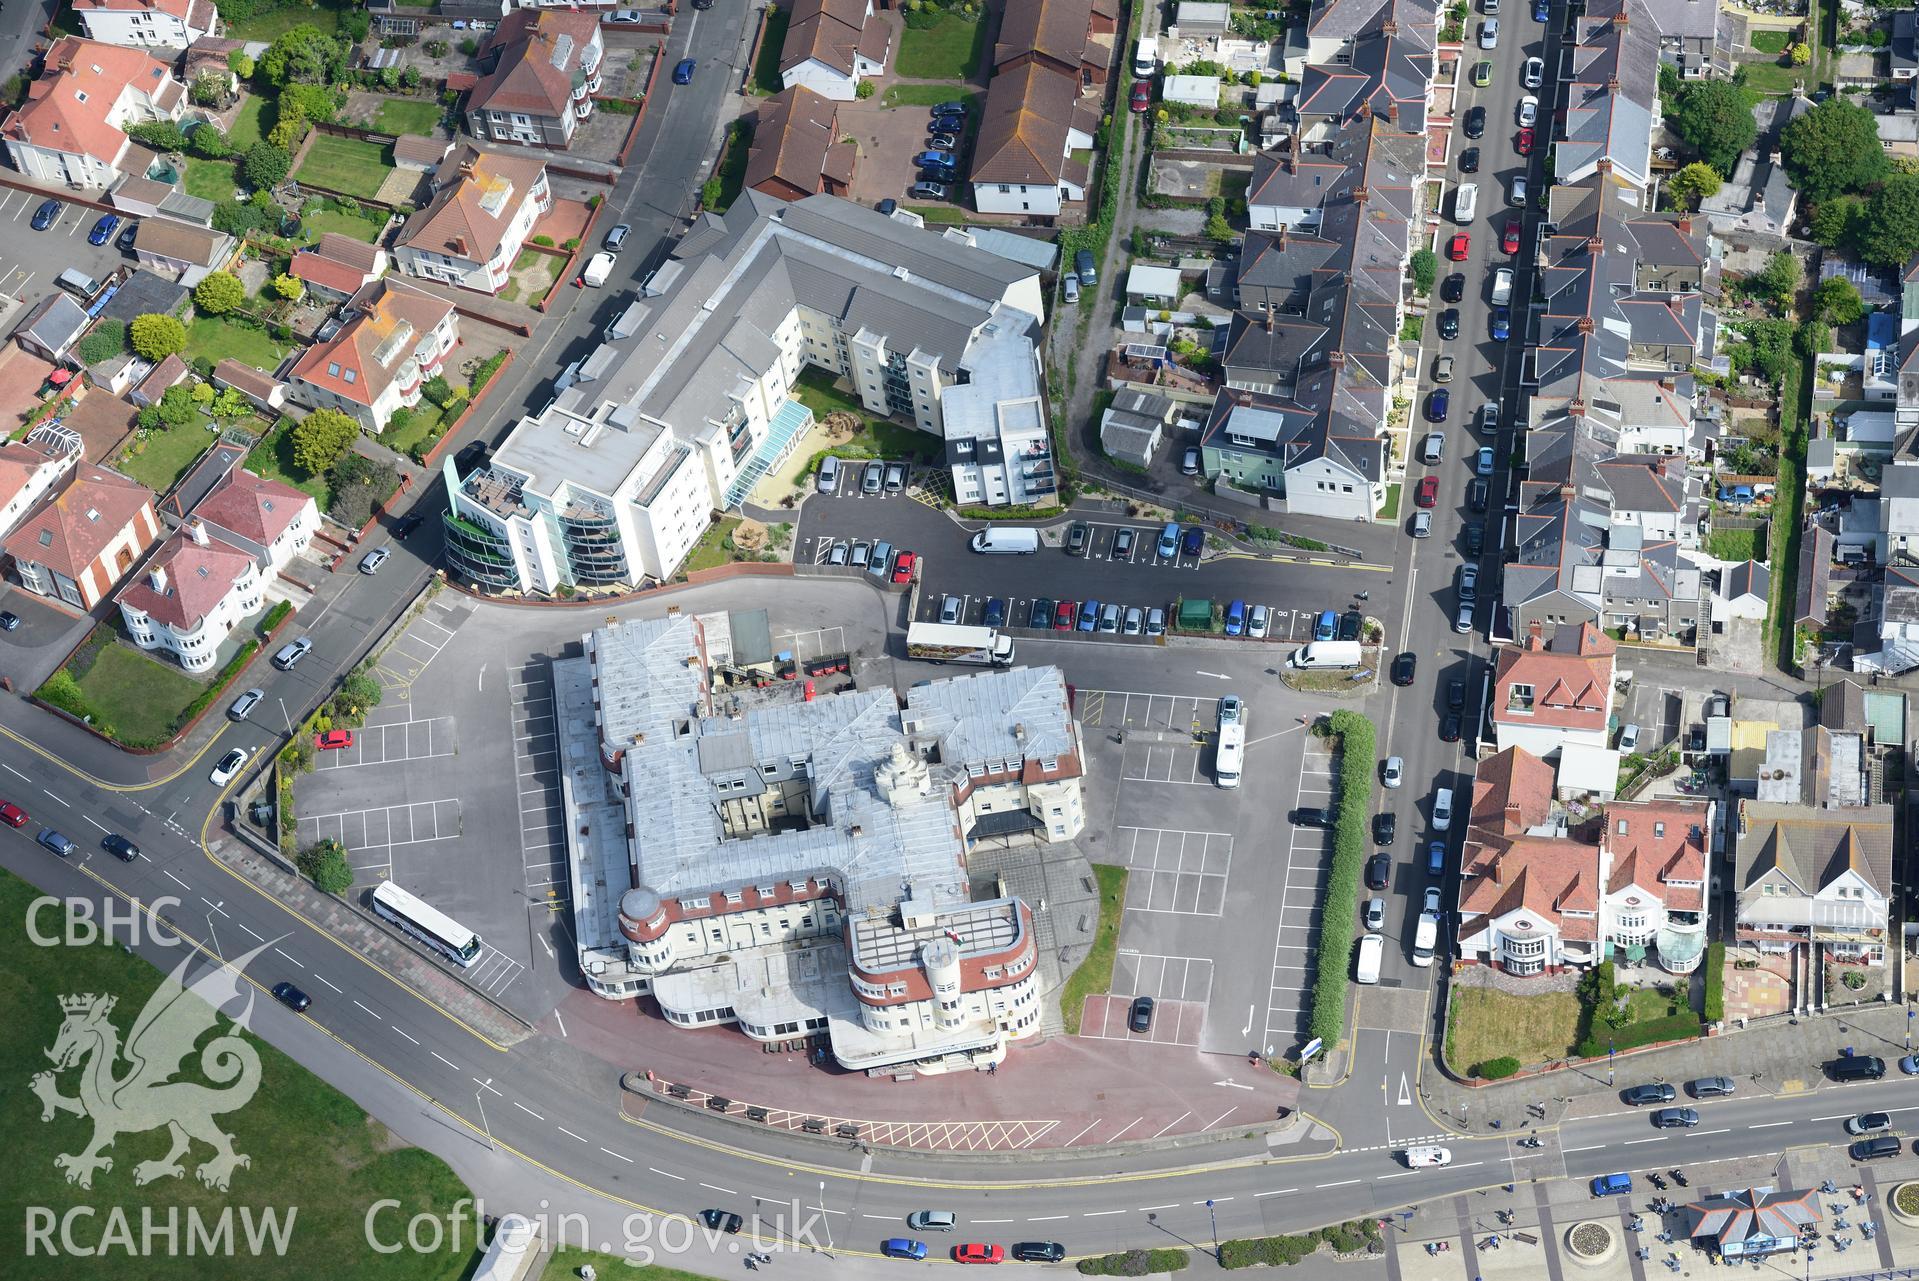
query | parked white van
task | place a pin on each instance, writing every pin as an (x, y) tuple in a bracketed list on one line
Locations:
[(1465, 202), (1146, 58), (1442, 809), (1372, 949), (1331, 653), (1000, 541)]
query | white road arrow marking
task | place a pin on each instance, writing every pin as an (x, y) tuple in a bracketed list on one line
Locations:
[(1405, 1095), (1233, 1085), (1215, 675)]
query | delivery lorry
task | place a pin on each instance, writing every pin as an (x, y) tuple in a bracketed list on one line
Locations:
[(955, 643)]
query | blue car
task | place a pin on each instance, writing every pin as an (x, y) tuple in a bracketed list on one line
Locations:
[(1236, 618), (103, 230), (1437, 404), (43, 216), (1326, 627), (936, 160), (948, 124), (995, 613), (1089, 616), (683, 74), (903, 1248), (1502, 323), (1542, 10)]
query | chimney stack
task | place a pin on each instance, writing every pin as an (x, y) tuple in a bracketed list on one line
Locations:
[(157, 576), (197, 531), (1535, 635)]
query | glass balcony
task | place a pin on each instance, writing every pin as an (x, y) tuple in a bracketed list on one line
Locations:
[(595, 556), (479, 556)]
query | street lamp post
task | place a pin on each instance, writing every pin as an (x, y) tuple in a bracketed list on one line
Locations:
[(1611, 1054), (479, 1097), (1214, 1215), (826, 1221)]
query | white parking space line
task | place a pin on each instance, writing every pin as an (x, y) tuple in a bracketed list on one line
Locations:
[(392, 742), (1178, 872), (372, 835), (1296, 918), (536, 755)]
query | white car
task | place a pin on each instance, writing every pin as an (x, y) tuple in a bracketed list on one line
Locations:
[(229, 765), (1528, 111), (1535, 73), (1375, 914), (1489, 34), (1260, 622), (1394, 773)]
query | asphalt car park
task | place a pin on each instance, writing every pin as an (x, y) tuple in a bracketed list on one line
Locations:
[(29, 259)]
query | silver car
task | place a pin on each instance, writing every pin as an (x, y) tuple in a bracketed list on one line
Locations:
[(1155, 621), (1489, 34), (1135, 621), (245, 704), (371, 562), (1463, 620), (1394, 772), (1535, 73), (1528, 111), (950, 610)]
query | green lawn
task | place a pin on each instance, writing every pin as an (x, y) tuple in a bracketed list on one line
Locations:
[(211, 179), (251, 123), (271, 22), (1095, 973), (550, 267), (308, 1146), (164, 456), (1770, 77), (407, 115), (217, 338), (347, 224), (1733, 544), (879, 437), (139, 698), (712, 550), (1773, 42), (950, 49), (273, 458), (766, 67), (1390, 509), (1485, 1024), (426, 418), (931, 96), (346, 165), (940, 213)]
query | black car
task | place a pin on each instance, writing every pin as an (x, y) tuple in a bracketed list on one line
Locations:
[(1872, 1149), (1478, 496), (938, 177), (120, 847), (407, 524), (1123, 543), (8, 620), (1385, 827), (1379, 870), (124, 241), (1403, 668), (1449, 728), (1449, 323), (1651, 1092), (1469, 160), (1042, 615), (1193, 541), (1475, 539), (722, 1220), (1675, 1118), (1455, 695), (1038, 1251), (1140, 1017), (1312, 816), (1349, 624), (1475, 122), (995, 612), (1857, 1067), (291, 997), (1453, 288)]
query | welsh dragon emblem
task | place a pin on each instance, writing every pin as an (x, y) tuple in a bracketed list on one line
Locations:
[(145, 1096)]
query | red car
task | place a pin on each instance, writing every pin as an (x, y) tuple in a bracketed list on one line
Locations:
[(903, 567), (1064, 616), (334, 739), (977, 1253), (1510, 241), (1142, 95), (1524, 144), (12, 815), (1459, 247), (1428, 494)]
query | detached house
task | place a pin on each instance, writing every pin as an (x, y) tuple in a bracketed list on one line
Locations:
[(545, 69), (75, 547), (1553, 694), (71, 129), (394, 338), (484, 207), (148, 24), (832, 45)]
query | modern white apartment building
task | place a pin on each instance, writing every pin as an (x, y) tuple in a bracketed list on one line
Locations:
[(690, 398), (798, 867)]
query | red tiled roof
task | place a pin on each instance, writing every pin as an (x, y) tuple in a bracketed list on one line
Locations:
[(1022, 136), (69, 533), (178, 8), (1545, 875), (328, 273), (20, 462), (198, 578), (67, 107), (1571, 680), (1512, 791), (458, 222), (252, 506), (1054, 29), (795, 133), (526, 78), (832, 32), (1663, 839), (346, 365)]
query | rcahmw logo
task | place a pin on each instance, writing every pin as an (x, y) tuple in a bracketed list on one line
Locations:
[(130, 1090)]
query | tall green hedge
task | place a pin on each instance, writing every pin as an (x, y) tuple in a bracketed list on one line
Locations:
[(1715, 982), (1358, 767), (1674, 1027), (1134, 1263)]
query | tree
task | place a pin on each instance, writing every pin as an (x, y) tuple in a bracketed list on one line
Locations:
[(240, 63), (1800, 53), (438, 390), (237, 217), (1836, 223), (1837, 300), (108, 339), (320, 438), (289, 132), (325, 864), (266, 165), (158, 135), (203, 394), (209, 143), (176, 406), (148, 419), (156, 337), (1889, 229), (1832, 150), (400, 419), (863, 90), (390, 79), (1714, 117), (230, 403), (209, 89), (303, 55), (357, 483), (1425, 265), (218, 293), (410, 79), (1779, 280), (315, 102), (1694, 183), (291, 288), (1217, 228)]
